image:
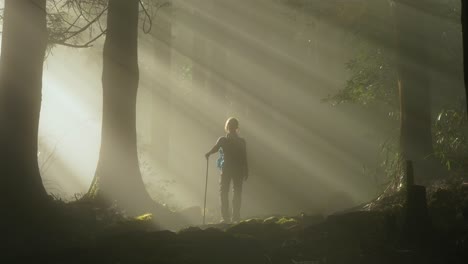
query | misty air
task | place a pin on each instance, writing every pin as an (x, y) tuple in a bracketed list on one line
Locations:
[(234, 131)]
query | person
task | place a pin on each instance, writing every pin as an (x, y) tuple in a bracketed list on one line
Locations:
[(233, 168)]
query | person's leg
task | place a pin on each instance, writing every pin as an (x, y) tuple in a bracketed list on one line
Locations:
[(237, 198), (224, 194)]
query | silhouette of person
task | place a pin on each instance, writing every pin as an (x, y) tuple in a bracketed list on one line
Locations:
[(233, 168)]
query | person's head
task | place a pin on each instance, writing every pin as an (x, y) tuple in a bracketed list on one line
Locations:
[(232, 125)]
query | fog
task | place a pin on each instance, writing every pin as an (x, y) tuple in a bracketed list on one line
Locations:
[(265, 62)]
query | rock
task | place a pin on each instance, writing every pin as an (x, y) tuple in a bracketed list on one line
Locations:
[(269, 233), (271, 220), (442, 209), (287, 222), (352, 234), (198, 234), (310, 220)]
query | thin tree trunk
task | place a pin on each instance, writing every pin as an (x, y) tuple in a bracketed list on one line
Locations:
[(24, 43), (199, 54), (464, 22), (413, 84), (118, 178)]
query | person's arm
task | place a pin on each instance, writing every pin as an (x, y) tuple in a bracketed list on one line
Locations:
[(215, 148)]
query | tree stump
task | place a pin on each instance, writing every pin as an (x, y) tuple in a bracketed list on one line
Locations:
[(416, 219)]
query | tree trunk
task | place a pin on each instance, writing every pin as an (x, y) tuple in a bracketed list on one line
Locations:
[(199, 56), (413, 84), (24, 43), (118, 178), (464, 22)]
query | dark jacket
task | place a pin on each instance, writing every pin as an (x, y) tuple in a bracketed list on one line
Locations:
[(235, 154)]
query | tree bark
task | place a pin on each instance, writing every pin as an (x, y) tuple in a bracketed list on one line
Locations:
[(413, 83), (118, 179), (199, 61), (24, 43), (464, 22)]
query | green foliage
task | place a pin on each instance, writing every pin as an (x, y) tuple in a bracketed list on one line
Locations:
[(373, 79), (286, 222), (372, 70), (450, 140), (144, 217), (373, 82)]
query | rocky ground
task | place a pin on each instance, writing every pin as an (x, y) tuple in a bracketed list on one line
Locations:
[(373, 234)]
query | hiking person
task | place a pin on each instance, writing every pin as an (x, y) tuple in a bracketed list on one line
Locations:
[(233, 165)]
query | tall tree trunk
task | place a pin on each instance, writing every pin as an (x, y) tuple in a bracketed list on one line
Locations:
[(118, 178), (413, 84), (24, 43), (199, 56), (464, 22)]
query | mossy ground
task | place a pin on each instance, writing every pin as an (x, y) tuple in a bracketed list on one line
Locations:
[(80, 233)]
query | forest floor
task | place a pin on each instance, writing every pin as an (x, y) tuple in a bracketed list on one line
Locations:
[(374, 234)]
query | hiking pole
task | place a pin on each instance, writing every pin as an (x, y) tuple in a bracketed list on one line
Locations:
[(206, 189)]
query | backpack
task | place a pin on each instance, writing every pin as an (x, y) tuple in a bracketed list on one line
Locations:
[(220, 161)]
